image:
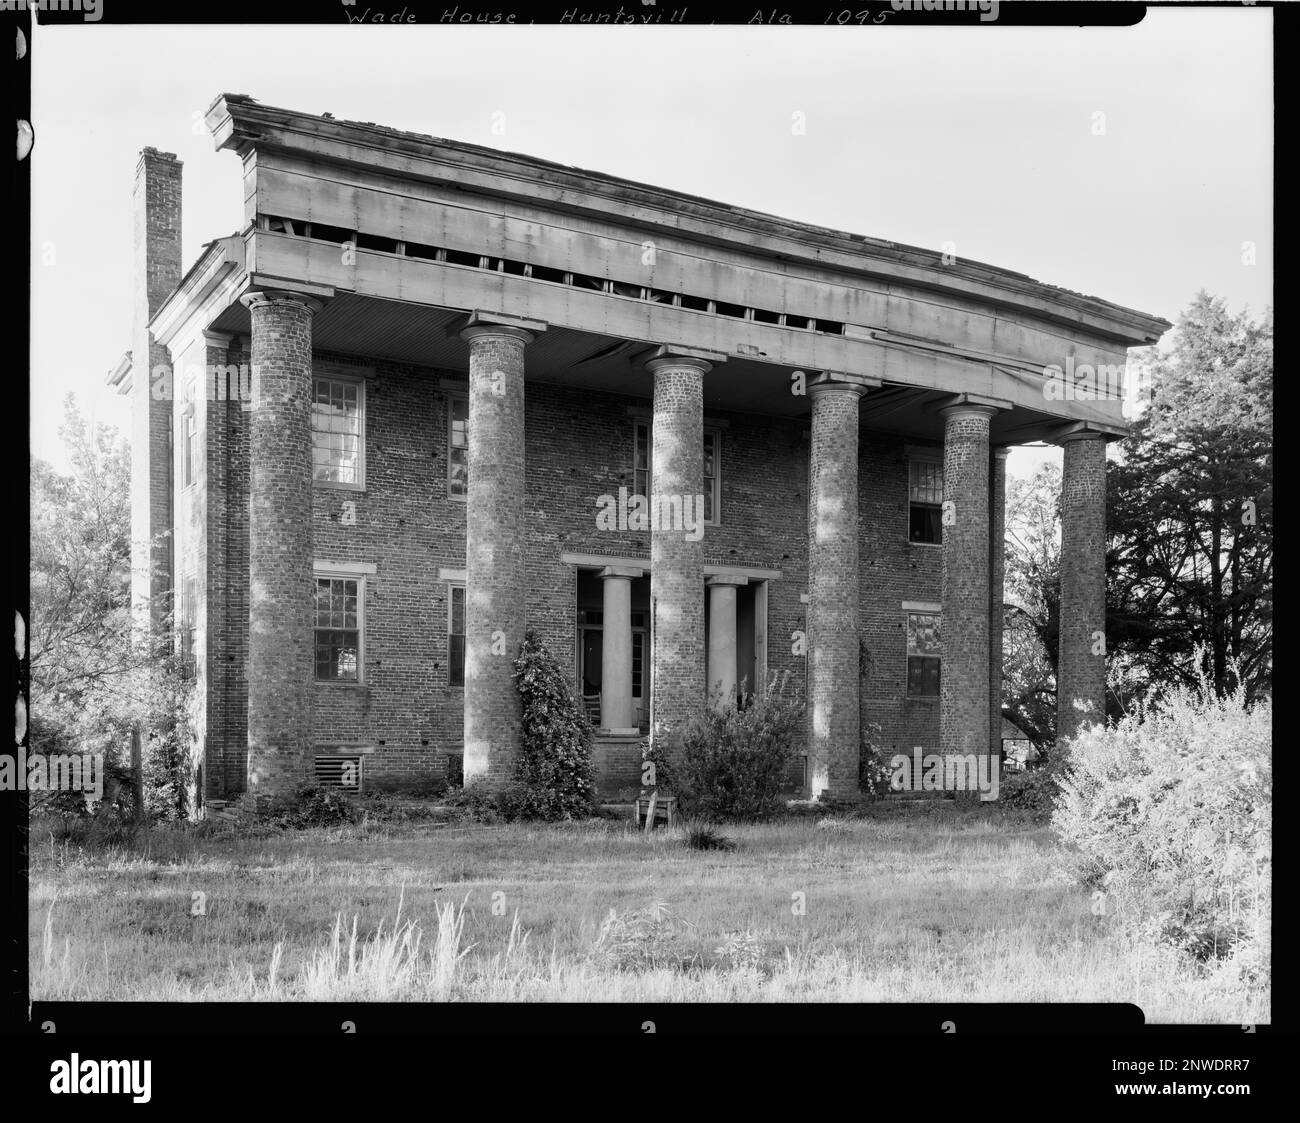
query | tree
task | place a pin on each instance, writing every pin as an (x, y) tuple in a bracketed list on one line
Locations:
[(1190, 511), (93, 677), (1033, 602)]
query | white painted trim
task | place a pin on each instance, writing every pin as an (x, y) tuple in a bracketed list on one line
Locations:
[(600, 561), (345, 568), (337, 372), (358, 571)]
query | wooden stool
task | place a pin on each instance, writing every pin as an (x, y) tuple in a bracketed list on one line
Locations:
[(655, 808)]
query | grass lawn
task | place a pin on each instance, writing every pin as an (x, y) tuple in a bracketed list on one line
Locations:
[(939, 903)]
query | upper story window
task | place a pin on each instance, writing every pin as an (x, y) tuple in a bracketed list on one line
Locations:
[(643, 461), (457, 447), (925, 500), (338, 431), (339, 608), (923, 655), (187, 623), (456, 635), (189, 447)]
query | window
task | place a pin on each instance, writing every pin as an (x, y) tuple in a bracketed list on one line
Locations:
[(925, 501), (189, 447), (640, 625), (458, 448), (456, 635), (923, 655), (643, 460), (712, 446), (337, 431), (338, 629), (186, 618)]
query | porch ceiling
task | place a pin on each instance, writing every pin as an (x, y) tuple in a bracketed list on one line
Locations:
[(418, 334)]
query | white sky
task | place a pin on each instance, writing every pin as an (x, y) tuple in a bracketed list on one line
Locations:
[(979, 137)]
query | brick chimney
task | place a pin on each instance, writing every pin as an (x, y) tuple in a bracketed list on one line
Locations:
[(157, 270)]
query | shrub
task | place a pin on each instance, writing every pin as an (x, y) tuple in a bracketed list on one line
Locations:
[(873, 766), (1035, 790), (702, 837), (1170, 811), (314, 806), (553, 777), (644, 939), (734, 761)]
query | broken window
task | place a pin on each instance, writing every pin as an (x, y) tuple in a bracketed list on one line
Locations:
[(923, 655)]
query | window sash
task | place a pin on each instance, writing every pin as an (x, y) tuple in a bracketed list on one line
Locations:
[(337, 423), (338, 629), (924, 654), (925, 481), (458, 447), (923, 676), (456, 635)]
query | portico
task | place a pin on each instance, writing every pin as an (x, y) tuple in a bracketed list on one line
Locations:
[(765, 386)]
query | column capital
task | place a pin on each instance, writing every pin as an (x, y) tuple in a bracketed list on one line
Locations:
[(726, 579), (480, 324), (1084, 431), (971, 405), (497, 331), (1002, 451), (841, 382), (624, 571), (263, 298), (674, 358)]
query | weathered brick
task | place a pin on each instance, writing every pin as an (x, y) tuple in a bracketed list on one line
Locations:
[(156, 273), (676, 562), (1081, 666), (964, 677), (282, 595), (833, 590), (495, 532)]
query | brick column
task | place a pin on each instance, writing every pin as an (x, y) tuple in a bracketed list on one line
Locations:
[(722, 672), (281, 592), (997, 575), (495, 587), (833, 594), (964, 690), (616, 651), (1081, 661), (157, 273), (676, 554)]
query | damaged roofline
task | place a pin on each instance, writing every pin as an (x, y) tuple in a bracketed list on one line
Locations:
[(241, 123)]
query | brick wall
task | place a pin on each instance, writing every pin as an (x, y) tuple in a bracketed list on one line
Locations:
[(578, 447)]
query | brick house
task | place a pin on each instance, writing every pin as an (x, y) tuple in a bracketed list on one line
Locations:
[(434, 393)]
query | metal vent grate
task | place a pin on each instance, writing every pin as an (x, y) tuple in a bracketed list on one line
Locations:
[(341, 773)]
